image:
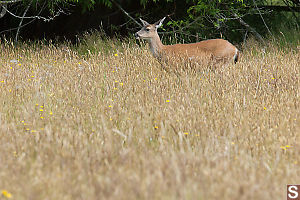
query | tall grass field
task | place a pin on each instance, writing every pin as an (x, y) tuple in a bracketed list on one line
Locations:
[(104, 120)]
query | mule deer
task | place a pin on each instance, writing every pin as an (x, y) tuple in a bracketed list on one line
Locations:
[(215, 49)]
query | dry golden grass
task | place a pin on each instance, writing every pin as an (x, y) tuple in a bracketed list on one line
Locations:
[(116, 126)]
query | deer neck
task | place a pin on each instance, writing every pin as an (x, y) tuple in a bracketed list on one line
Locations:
[(156, 45)]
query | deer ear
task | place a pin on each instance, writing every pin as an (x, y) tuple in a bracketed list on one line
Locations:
[(159, 23), (144, 22)]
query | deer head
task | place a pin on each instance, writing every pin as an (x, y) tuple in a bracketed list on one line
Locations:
[(149, 31)]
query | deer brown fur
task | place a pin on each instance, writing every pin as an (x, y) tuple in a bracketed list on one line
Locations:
[(216, 49)]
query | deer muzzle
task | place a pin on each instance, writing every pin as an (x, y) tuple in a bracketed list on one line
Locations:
[(137, 36)]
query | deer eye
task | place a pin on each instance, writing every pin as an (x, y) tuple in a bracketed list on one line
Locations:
[(147, 29)]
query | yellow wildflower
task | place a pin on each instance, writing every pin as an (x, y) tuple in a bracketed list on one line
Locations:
[(186, 133), (6, 194), (116, 54), (283, 147), (167, 101)]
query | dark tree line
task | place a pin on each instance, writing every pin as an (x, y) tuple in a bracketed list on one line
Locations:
[(190, 19)]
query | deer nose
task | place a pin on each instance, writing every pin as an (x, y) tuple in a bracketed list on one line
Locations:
[(136, 35)]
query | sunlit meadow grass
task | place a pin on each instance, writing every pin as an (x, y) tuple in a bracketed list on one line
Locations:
[(112, 124)]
